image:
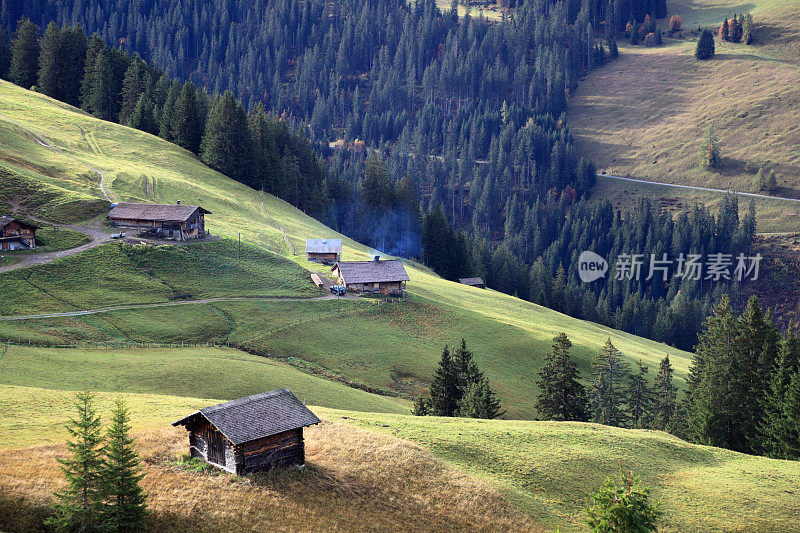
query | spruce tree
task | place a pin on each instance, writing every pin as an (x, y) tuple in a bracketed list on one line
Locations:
[(187, 123), (24, 54), (710, 158), (142, 116), (607, 391), (640, 398), (465, 367), (124, 508), (132, 88), (724, 30), (5, 54), (773, 428), (666, 396), (226, 143), (167, 116), (705, 46), (422, 407), (99, 96), (95, 46), (444, 390), (480, 401), (72, 56), (77, 504), (747, 29), (50, 62), (789, 440), (561, 396)]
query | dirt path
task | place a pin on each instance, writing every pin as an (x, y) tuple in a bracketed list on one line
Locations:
[(750, 194), (167, 304), (98, 235), (40, 140)]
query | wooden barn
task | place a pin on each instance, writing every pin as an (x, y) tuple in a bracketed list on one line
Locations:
[(250, 434), (175, 222), (371, 276), (324, 250), (473, 282), (16, 234)]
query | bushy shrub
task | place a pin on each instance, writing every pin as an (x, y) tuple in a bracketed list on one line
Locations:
[(622, 505)]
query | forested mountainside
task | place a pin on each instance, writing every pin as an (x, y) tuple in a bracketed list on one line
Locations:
[(441, 123)]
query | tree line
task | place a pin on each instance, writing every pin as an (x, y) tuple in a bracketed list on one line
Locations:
[(252, 147)]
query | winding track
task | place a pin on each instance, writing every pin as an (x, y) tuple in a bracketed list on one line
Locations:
[(99, 310)]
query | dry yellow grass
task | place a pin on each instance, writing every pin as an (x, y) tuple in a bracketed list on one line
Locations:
[(355, 480), (644, 116)]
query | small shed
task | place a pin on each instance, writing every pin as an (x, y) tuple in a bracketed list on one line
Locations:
[(324, 250), (175, 222), (473, 282), (250, 434), (371, 276), (16, 234)]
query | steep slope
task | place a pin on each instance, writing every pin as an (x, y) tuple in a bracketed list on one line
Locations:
[(386, 348), (380, 471), (645, 114)]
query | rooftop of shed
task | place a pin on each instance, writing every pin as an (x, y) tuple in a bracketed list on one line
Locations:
[(255, 417), (155, 212), (5, 221), (471, 281), (324, 246), (372, 271)]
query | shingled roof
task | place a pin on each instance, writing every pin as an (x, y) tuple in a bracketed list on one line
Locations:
[(471, 281), (156, 212), (256, 417), (324, 246), (372, 271), (5, 221)]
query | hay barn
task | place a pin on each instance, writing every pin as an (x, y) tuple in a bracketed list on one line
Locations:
[(16, 235), (324, 250), (472, 282), (164, 221), (250, 434), (371, 276)]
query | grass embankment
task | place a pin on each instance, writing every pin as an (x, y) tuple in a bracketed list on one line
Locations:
[(368, 471), (354, 480), (550, 468), (393, 348), (645, 114)]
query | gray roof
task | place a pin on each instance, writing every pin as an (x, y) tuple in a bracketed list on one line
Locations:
[(372, 271), (5, 221), (471, 281), (324, 246), (160, 212), (256, 417)]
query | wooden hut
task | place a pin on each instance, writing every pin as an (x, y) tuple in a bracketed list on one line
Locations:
[(250, 434), (166, 221), (371, 276), (472, 282), (16, 234), (324, 250)]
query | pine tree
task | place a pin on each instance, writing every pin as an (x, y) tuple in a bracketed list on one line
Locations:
[(710, 158), (640, 398), (561, 396), (705, 46), (747, 29), (666, 396), (790, 439), (226, 144), (422, 407), (5, 54), (724, 30), (50, 62), (142, 116), (124, 508), (480, 401), (76, 508), (733, 30), (773, 429), (606, 394), (613, 49), (710, 402), (444, 390), (187, 123), (95, 47), (465, 367), (99, 96), (168, 113), (24, 54), (132, 88)]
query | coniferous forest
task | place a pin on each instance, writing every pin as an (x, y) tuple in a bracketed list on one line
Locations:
[(402, 126)]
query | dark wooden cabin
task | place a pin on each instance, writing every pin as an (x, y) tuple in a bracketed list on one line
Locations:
[(16, 234), (324, 250), (250, 434), (174, 222), (371, 276), (472, 282)]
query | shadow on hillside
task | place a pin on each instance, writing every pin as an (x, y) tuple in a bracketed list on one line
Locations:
[(752, 57)]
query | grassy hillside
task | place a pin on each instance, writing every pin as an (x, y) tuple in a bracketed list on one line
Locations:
[(390, 348), (644, 115), (379, 471)]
